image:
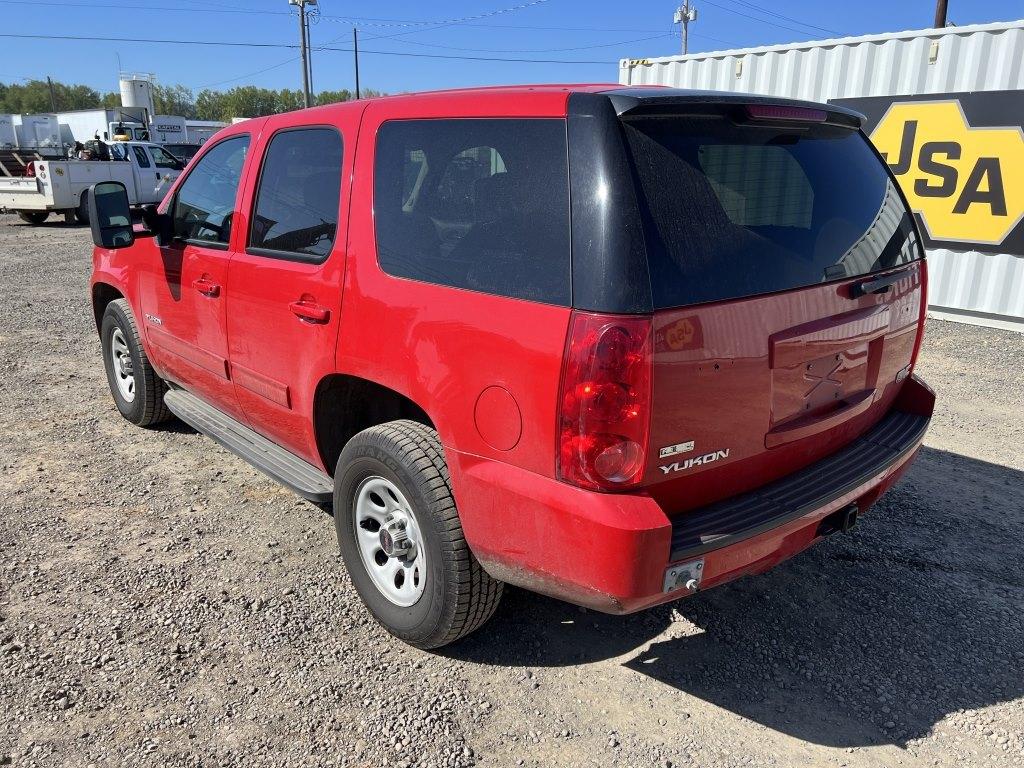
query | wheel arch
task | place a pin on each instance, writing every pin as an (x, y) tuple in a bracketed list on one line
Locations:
[(345, 405), (102, 295)]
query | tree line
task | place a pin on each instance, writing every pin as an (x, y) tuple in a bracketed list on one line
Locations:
[(34, 96)]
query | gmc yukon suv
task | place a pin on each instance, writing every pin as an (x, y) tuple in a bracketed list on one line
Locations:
[(615, 345)]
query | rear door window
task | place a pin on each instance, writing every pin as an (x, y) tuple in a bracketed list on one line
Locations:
[(733, 210), (480, 204), (296, 212)]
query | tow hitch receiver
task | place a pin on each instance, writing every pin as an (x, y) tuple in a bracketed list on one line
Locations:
[(684, 576), (841, 521)]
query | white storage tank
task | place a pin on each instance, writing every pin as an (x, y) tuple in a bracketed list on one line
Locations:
[(137, 91), (920, 89)]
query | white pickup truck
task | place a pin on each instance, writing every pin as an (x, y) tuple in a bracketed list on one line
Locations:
[(145, 169)]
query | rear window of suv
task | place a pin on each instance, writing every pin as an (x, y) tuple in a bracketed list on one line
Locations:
[(735, 210), (481, 204)]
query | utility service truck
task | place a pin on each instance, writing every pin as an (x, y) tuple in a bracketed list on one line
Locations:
[(146, 170)]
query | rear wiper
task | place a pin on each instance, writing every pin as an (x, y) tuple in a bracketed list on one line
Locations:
[(878, 285)]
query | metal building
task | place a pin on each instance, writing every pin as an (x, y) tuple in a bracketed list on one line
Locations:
[(976, 268)]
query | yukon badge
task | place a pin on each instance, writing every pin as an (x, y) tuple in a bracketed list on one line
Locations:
[(696, 461)]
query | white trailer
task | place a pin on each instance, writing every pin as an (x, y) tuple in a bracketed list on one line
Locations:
[(146, 170), (85, 124)]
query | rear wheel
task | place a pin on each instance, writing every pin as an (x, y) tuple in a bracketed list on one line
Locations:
[(138, 392), (35, 218), (401, 537), (82, 211)]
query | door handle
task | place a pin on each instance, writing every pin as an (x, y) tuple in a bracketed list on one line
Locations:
[(206, 287), (310, 311)]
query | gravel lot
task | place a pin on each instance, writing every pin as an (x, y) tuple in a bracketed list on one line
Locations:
[(162, 604)]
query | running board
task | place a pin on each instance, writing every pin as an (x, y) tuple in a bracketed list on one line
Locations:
[(270, 458)]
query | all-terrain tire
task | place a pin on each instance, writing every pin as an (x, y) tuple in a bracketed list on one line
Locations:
[(458, 596), (35, 218), (146, 406)]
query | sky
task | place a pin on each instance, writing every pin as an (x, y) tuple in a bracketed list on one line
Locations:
[(455, 42)]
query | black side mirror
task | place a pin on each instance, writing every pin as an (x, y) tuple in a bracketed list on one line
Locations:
[(110, 215)]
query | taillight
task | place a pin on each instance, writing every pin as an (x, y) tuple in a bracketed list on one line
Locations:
[(30, 170), (605, 401)]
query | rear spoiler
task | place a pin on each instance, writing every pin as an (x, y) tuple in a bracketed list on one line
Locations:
[(654, 102)]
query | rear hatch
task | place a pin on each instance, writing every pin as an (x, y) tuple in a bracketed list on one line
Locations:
[(785, 284)]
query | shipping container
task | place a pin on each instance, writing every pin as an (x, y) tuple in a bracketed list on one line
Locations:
[(976, 266)]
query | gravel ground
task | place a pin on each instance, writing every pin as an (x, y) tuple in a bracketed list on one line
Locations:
[(163, 604)]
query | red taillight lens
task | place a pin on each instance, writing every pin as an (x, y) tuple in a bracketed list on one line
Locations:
[(30, 170), (605, 401)]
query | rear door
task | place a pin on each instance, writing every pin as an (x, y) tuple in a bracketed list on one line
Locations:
[(787, 286), (285, 305)]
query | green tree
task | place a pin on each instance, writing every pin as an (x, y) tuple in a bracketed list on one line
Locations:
[(174, 100), (242, 101), (333, 97)]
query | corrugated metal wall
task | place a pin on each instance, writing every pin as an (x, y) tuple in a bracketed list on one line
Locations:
[(982, 57)]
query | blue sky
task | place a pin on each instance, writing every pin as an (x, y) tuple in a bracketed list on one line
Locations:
[(598, 32)]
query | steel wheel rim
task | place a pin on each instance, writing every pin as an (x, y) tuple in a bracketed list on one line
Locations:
[(400, 575), (121, 363)]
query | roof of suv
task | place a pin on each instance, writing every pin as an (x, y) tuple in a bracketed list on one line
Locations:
[(552, 99)]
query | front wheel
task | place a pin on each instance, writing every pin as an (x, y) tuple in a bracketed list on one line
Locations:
[(401, 538), (138, 392)]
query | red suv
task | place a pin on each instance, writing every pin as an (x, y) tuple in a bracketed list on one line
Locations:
[(610, 344)]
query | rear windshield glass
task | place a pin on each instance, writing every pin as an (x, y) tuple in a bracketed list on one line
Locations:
[(475, 203), (732, 210)]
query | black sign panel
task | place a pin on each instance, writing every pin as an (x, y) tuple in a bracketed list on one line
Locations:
[(959, 158)]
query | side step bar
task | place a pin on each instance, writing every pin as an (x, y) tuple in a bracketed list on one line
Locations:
[(271, 459)]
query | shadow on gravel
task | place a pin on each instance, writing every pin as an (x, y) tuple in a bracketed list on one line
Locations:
[(868, 638)]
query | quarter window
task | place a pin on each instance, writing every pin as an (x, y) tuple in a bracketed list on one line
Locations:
[(296, 211), (475, 203), (205, 202)]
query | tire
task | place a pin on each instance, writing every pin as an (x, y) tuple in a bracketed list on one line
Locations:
[(82, 211), (35, 218), (457, 595), (143, 405)]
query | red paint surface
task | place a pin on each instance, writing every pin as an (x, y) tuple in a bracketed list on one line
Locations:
[(731, 375)]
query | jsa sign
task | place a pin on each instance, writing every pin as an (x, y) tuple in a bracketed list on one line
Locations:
[(959, 159)]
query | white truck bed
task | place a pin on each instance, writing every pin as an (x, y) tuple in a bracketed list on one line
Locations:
[(59, 185)]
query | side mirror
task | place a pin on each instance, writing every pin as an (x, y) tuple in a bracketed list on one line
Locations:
[(110, 215)]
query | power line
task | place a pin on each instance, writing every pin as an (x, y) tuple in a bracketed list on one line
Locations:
[(293, 46), (765, 21), (785, 18), (292, 60), (540, 50)]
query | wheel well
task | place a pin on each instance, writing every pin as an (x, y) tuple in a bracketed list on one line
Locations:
[(102, 295), (345, 405)]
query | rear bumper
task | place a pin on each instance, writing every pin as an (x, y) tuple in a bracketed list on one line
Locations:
[(611, 551)]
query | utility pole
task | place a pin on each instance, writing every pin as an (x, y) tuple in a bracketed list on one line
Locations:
[(307, 72), (684, 15), (53, 99), (355, 52), (940, 13)]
